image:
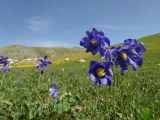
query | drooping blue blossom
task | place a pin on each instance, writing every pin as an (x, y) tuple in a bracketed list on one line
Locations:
[(54, 90), (94, 41), (133, 45), (5, 64), (100, 73), (43, 63), (5, 69), (4, 60), (129, 54)]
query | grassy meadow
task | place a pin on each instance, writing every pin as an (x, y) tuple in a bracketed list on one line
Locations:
[(24, 92)]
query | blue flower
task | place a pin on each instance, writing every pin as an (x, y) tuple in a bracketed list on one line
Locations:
[(5, 69), (54, 90), (134, 46), (100, 73), (125, 57), (43, 63), (123, 60), (94, 41), (5, 62)]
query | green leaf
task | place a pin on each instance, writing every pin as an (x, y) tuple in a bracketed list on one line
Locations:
[(146, 114), (6, 102)]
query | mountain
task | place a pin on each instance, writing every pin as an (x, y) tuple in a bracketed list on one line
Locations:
[(22, 52), (18, 52)]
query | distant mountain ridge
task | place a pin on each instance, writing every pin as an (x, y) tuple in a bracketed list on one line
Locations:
[(24, 52)]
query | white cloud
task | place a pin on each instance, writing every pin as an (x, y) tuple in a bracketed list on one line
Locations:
[(132, 27), (38, 24), (108, 27), (47, 43), (111, 27), (41, 43)]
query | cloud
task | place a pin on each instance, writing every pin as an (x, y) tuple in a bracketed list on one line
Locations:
[(111, 27), (38, 24), (132, 27), (47, 43), (41, 43), (108, 27)]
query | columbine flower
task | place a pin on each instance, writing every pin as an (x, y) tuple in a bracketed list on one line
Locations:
[(5, 69), (54, 90), (94, 41), (122, 59), (5, 62), (43, 63), (134, 46), (125, 57), (100, 73)]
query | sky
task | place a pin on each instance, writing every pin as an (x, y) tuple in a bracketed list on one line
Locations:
[(54, 23)]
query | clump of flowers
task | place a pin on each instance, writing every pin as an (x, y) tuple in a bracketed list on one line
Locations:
[(131, 53), (5, 64)]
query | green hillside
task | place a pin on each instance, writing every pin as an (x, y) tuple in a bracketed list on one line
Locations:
[(152, 44), (151, 40)]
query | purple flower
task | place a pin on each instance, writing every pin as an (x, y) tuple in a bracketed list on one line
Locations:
[(43, 63), (94, 41), (123, 60), (100, 73), (5, 62), (125, 57), (5, 69), (54, 90), (134, 46)]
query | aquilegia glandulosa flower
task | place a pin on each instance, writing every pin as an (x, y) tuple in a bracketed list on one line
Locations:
[(134, 46), (100, 73), (54, 90), (43, 63), (128, 54), (94, 41), (5, 64), (131, 53)]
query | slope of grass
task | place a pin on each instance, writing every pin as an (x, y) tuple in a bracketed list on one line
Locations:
[(23, 52), (136, 95)]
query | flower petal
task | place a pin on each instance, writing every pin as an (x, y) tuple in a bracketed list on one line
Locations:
[(134, 65), (94, 64), (93, 78), (104, 81)]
